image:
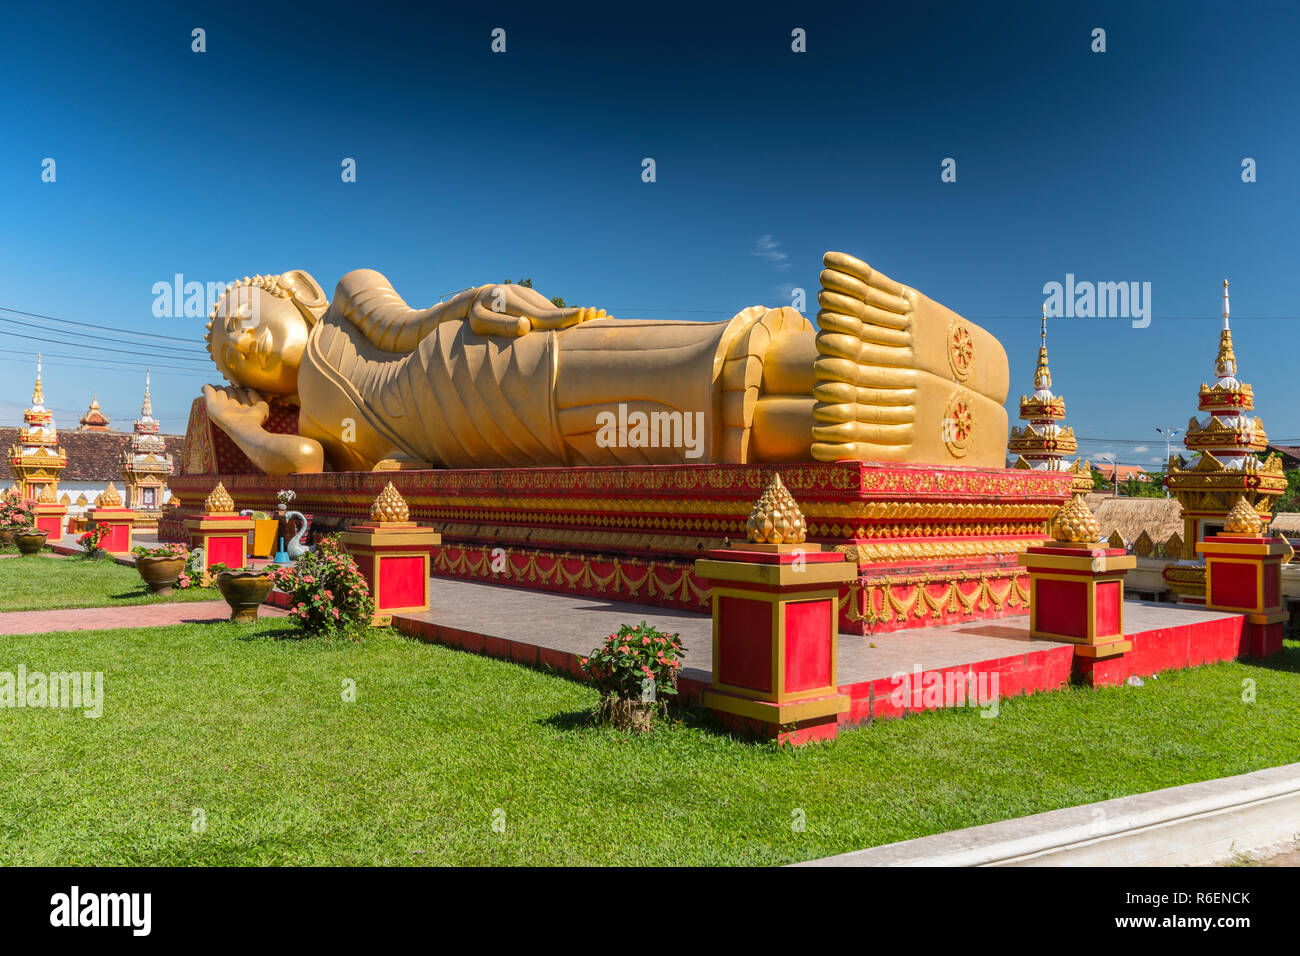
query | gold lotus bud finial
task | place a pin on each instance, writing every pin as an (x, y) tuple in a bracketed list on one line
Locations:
[(110, 498), (390, 507), (219, 501), (47, 496), (1076, 522), (1242, 519), (776, 518)]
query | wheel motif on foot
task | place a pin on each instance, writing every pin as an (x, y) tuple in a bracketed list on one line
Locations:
[(961, 350), (957, 425)]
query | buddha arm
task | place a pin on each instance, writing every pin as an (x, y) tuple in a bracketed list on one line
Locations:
[(367, 300)]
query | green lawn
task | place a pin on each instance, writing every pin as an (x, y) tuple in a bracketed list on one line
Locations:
[(250, 726), (45, 581)]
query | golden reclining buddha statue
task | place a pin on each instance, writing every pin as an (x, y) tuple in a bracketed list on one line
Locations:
[(498, 376)]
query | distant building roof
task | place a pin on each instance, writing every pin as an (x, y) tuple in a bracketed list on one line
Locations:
[(1291, 452), (92, 455), (94, 418), (1125, 471)]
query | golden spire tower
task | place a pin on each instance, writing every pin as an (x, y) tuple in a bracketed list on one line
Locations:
[(1225, 468), (146, 465), (1044, 442), (37, 459)]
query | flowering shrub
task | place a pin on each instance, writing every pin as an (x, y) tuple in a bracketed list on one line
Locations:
[(17, 513), (162, 551), (192, 575), (640, 662), (327, 592), (91, 540)]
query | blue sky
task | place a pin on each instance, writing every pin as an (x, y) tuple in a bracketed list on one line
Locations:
[(473, 167)]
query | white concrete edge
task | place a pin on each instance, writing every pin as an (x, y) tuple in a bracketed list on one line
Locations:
[(1195, 824)]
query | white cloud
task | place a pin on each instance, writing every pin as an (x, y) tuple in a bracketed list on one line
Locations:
[(1141, 448), (765, 247)]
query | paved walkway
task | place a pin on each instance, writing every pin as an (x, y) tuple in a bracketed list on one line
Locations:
[(575, 624), (107, 618)]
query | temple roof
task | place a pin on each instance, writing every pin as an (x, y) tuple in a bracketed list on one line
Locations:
[(94, 418), (93, 455)]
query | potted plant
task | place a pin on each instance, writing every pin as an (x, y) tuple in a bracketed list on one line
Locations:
[(161, 567), (17, 514), (29, 540), (245, 589), (635, 671), (283, 498)]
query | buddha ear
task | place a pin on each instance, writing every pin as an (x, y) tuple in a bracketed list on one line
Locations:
[(307, 294)]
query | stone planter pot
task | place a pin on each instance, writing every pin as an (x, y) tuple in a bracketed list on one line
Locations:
[(160, 573), (626, 713), (245, 592), (30, 542), (6, 537)]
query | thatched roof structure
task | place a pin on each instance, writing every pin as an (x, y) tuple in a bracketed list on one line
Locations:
[(1158, 517), (1288, 522)]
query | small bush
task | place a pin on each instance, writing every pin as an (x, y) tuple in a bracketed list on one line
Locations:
[(640, 662), (328, 594)]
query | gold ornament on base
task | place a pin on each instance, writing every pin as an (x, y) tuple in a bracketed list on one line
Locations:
[(1076, 523), (218, 501), (111, 498), (1242, 519), (390, 507), (47, 496), (776, 518)]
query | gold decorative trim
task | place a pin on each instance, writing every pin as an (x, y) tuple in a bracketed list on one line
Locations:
[(903, 551)]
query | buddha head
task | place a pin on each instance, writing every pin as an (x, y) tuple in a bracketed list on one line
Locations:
[(258, 330)]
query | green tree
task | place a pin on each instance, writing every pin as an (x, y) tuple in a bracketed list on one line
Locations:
[(1289, 500), (556, 301)]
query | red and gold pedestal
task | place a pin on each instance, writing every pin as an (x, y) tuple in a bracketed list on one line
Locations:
[(775, 630), (393, 553), (118, 521), (220, 532), (394, 558), (1243, 573), (223, 538), (1076, 594), (49, 518)]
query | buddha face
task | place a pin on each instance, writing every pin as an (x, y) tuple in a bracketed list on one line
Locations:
[(259, 329)]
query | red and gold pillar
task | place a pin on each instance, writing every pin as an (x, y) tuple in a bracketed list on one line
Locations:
[(775, 627), (220, 532), (1076, 590), (392, 552), (49, 515), (108, 513), (1243, 573)]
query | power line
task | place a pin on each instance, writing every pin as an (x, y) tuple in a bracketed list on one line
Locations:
[(179, 369), (102, 348), (91, 325), (102, 338)]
